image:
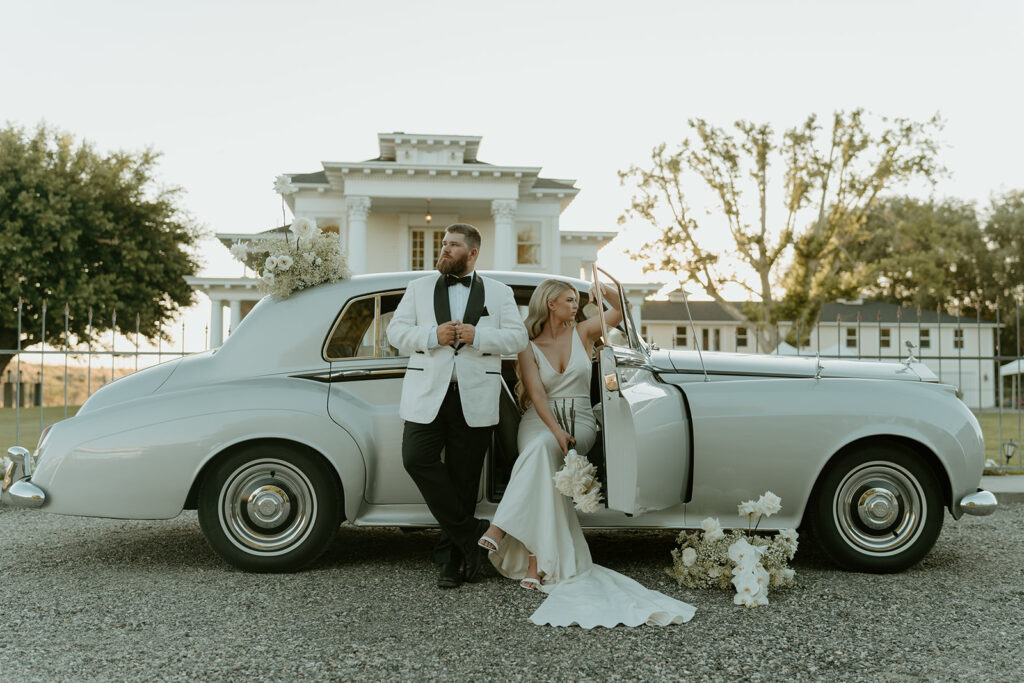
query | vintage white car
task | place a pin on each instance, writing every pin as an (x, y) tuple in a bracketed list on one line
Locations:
[(292, 426)]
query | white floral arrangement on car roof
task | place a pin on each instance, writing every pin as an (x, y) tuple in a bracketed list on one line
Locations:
[(578, 477), (749, 562), (313, 258)]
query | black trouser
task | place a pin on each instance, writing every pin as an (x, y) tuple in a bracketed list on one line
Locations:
[(449, 487)]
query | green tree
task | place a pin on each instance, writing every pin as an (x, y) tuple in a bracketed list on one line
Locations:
[(89, 231), (1004, 234), (925, 253), (828, 185), (939, 254)]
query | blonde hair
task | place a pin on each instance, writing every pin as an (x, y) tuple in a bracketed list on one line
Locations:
[(536, 317)]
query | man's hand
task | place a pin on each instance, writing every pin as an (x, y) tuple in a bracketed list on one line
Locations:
[(464, 332), (446, 333)]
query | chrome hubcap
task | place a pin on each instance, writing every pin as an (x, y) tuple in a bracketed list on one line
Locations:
[(879, 508), (267, 506)]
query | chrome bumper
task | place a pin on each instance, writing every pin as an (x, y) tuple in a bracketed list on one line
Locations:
[(979, 504), (17, 490)]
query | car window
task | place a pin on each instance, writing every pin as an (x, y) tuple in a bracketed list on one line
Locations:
[(587, 309), (361, 329)]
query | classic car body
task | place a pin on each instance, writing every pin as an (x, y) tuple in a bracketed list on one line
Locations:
[(292, 426)]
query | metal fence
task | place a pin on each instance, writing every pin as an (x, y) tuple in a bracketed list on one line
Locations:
[(999, 408)]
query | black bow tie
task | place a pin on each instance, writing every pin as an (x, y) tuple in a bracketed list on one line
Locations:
[(453, 280)]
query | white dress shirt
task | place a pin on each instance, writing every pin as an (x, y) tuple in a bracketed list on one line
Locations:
[(458, 298)]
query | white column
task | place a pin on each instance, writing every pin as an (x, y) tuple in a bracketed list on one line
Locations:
[(236, 315), (504, 212), (358, 210), (216, 322)]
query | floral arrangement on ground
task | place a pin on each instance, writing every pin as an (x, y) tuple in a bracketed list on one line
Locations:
[(750, 562), (312, 258)]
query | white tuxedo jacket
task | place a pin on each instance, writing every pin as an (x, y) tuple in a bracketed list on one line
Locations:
[(499, 330)]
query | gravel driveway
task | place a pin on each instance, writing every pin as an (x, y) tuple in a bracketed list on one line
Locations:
[(88, 599)]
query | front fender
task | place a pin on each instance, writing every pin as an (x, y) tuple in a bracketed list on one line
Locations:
[(779, 435)]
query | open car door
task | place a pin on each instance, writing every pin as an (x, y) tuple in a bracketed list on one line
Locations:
[(644, 420)]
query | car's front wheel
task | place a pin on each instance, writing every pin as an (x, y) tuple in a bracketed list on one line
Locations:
[(876, 509), (269, 507)]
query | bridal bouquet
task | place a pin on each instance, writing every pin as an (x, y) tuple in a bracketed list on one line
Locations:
[(577, 479), (312, 258), (744, 560)]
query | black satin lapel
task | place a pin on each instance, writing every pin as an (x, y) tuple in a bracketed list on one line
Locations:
[(442, 309), (475, 304)]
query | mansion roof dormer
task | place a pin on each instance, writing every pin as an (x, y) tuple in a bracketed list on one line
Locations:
[(419, 166), (439, 150)]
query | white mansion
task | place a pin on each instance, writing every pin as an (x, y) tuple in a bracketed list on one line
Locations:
[(390, 213)]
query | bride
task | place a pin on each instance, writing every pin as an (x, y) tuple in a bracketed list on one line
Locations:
[(535, 536)]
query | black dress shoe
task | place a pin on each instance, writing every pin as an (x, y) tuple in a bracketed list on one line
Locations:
[(472, 563), (474, 555), (451, 575)]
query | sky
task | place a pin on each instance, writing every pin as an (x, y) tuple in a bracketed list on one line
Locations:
[(235, 93)]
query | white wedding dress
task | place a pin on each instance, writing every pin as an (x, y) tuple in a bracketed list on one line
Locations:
[(537, 518)]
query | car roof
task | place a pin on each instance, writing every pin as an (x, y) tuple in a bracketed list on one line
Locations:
[(279, 335)]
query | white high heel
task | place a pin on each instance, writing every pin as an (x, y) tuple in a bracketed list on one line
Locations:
[(530, 583)]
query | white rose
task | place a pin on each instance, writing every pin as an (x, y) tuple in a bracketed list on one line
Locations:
[(712, 529), (748, 509), (284, 262), (269, 278), (304, 227), (769, 503), (270, 264), (240, 250), (283, 185), (689, 557), (589, 502)]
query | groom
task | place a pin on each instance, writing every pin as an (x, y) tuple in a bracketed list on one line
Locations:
[(454, 327)]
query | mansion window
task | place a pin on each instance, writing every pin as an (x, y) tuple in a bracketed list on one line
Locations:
[(681, 337), (926, 339), (885, 337), (741, 336), (851, 337), (528, 244), (425, 248), (958, 339)]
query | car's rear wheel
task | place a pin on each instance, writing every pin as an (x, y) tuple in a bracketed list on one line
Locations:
[(876, 509), (269, 507)]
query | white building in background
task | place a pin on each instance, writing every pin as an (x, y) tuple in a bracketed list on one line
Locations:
[(390, 213), (958, 350)]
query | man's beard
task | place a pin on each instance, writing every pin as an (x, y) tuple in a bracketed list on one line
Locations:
[(452, 266)]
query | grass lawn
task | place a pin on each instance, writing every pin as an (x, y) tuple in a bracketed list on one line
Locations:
[(29, 433), (29, 428), (990, 427)]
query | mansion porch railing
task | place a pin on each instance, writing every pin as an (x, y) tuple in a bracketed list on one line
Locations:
[(44, 384)]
